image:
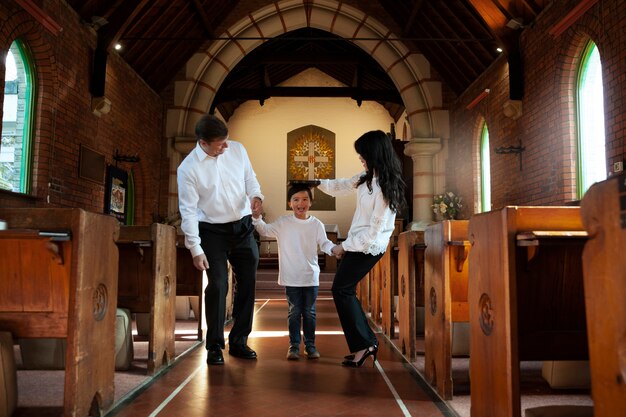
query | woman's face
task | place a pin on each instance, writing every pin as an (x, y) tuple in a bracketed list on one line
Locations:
[(363, 162)]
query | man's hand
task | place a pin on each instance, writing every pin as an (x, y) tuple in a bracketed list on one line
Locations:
[(200, 262), (338, 251)]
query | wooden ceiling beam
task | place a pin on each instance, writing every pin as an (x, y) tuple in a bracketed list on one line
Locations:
[(143, 57), (414, 12), (119, 21), (332, 92), (204, 19), (461, 59), (452, 27), (532, 7)]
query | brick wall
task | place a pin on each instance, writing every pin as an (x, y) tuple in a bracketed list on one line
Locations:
[(64, 120), (547, 127)]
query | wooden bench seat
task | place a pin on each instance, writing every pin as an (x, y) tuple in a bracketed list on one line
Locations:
[(526, 302), (445, 282), (62, 265), (147, 284), (604, 264)]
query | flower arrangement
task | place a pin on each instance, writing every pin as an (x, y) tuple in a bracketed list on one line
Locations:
[(447, 205)]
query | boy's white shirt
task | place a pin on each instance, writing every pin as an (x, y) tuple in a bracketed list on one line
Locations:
[(298, 241)]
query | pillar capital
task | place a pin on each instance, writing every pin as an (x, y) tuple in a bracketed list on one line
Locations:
[(184, 144), (419, 147)]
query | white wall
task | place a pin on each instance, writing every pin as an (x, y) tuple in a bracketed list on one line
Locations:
[(263, 131)]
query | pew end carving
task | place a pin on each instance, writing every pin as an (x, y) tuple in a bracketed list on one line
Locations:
[(147, 284), (445, 282), (522, 307), (74, 299), (410, 289)]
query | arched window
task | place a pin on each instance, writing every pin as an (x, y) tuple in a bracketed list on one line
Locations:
[(15, 147), (590, 99), (485, 171)]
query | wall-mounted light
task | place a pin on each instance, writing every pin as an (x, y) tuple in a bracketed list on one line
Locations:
[(97, 22), (515, 23), (499, 50), (100, 106), (118, 46)]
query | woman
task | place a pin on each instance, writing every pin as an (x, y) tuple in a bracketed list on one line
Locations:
[(380, 195)]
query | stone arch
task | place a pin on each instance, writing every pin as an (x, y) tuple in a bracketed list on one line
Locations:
[(410, 72)]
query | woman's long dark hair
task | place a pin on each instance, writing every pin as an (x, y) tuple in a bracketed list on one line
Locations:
[(376, 148)]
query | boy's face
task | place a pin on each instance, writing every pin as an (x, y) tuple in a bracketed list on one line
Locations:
[(300, 203)]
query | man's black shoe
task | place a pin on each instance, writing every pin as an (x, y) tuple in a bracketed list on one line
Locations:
[(242, 351), (214, 356)]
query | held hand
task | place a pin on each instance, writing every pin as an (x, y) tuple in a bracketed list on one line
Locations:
[(256, 213), (257, 207), (200, 262), (338, 251)]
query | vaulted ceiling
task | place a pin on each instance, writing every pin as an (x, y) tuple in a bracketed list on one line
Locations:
[(458, 37)]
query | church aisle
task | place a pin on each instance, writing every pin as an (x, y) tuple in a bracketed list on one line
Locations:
[(273, 386)]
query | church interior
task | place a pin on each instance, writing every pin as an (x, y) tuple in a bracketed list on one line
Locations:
[(502, 289)]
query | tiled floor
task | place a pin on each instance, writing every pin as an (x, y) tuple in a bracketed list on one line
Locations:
[(273, 386)]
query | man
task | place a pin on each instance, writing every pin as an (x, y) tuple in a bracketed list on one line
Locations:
[(217, 192)]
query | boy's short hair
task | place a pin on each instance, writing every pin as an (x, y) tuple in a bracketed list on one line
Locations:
[(297, 188)]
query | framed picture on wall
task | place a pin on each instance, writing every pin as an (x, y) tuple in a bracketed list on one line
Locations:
[(91, 165), (116, 193)]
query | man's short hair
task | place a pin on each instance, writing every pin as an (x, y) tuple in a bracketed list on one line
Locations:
[(210, 128)]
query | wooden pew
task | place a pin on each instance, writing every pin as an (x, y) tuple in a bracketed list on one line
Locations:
[(388, 285), (526, 299), (189, 281), (410, 288), (445, 281), (604, 214), (147, 284), (363, 292), (62, 265), (375, 287)]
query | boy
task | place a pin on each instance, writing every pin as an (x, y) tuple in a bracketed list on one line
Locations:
[(298, 236)]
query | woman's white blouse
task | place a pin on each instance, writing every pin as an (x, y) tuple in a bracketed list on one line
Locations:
[(373, 221)]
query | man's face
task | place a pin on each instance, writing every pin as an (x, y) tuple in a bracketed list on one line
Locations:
[(300, 203), (215, 147)]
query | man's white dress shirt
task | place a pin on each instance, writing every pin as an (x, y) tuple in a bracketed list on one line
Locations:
[(214, 190)]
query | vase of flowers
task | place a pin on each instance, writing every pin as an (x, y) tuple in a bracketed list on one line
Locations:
[(447, 205)]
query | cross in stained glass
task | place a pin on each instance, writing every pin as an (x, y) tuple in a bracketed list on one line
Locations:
[(312, 159)]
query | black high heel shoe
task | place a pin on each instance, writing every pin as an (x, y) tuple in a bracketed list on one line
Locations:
[(371, 351)]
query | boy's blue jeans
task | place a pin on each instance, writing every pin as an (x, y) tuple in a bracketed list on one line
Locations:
[(301, 302)]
